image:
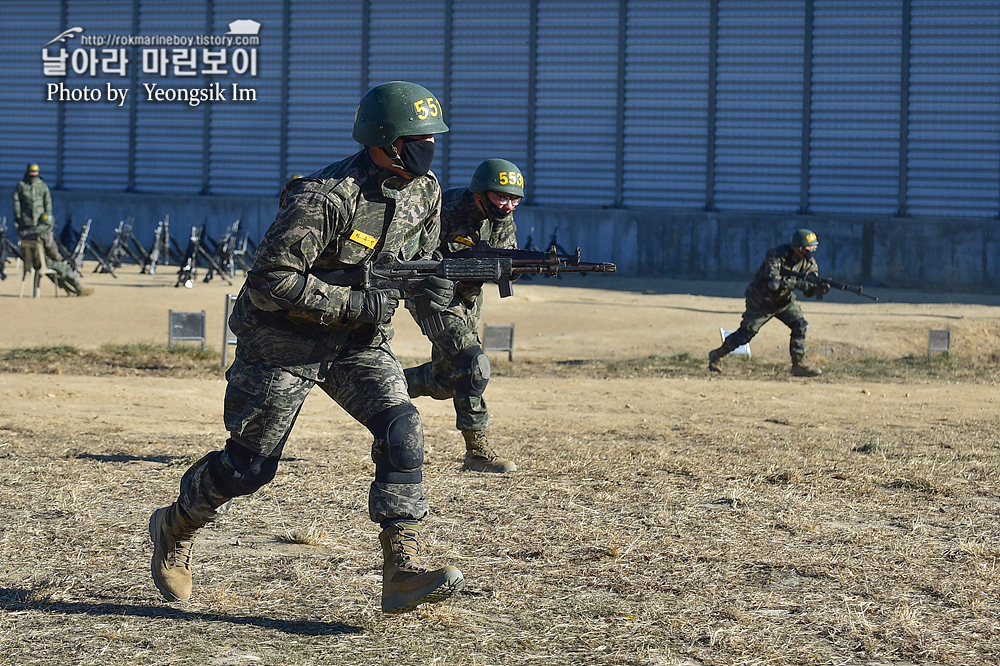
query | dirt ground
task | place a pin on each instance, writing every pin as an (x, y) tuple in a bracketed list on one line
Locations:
[(690, 519)]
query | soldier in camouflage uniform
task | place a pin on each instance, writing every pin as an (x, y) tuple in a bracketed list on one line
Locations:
[(771, 294), (34, 220), (295, 331), (458, 368)]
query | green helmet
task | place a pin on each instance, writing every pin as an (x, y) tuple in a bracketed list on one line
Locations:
[(802, 238), (498, 175), (394, 109)]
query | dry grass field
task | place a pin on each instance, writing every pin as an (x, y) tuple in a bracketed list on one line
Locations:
[(659, 515)]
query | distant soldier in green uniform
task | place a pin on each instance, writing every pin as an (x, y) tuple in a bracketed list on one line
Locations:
[(458, 368), (34, 220), (296, 331), (771, 294)]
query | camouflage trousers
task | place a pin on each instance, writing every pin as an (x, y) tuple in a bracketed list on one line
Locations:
[(446, 374), (261, 406), (53, 257), (754, 319)]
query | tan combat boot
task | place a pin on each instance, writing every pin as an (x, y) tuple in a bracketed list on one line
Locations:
[(480, 457), (800, 369), (406, 583), (173, 536), (85, 291)]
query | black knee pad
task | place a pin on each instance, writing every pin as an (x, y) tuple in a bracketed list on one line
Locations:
[(240, 471), (475, 368), (800, 328), (398, 449)]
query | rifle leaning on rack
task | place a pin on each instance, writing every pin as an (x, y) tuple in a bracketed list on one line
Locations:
[(480, 263), (75, 258), (814, 278), (6, 245), (189, 265)]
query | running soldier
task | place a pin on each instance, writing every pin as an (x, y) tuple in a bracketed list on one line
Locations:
[(458, 368), (296, 331), (771, 294)]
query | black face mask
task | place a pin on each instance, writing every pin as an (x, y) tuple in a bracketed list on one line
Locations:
[(807, 253), (494, 212), (416, 156)]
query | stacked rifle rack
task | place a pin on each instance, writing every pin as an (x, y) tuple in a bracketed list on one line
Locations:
[(232, 252)]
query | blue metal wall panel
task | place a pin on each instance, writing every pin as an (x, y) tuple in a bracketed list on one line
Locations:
[(577, 102), (759, 112), (954, 121), (488, 113), (28, 122), (324, 83), (408, 44), (97, 133), (170, 135), (855, 113), (666, 104), (246, 135)]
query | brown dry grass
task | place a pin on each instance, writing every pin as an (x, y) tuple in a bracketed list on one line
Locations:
[(743, 534), (659, 515)]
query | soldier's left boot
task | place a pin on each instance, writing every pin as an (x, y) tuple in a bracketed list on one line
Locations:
[(480, 456), (800, 369), (714, 357), (406, 582), (173, 536)]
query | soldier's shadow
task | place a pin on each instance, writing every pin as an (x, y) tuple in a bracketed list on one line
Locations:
[(19, 600)]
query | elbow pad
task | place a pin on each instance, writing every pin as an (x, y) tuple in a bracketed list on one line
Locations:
[(262, 296)]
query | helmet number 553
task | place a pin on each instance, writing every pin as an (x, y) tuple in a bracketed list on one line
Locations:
[(427, 107)]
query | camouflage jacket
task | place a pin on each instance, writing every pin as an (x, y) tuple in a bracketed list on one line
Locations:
[(769, 290), (461, 218), (31, 200), (335, 218)]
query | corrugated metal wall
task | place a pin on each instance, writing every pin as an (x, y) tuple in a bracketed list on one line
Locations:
[(784, 106)]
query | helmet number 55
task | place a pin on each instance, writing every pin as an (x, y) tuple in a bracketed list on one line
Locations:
[(427, 107)]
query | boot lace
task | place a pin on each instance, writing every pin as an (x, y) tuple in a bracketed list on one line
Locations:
[(406, 550), (481, 448)]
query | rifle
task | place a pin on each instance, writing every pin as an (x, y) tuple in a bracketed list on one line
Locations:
[(480, 263), (814, 278), (6, 245)]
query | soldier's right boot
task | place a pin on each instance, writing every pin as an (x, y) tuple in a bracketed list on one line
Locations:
[(480, 456), (714, 357), (800, 369), (173, 536), (406, 582)]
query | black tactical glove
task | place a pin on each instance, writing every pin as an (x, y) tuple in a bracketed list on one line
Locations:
[(373, 306), (438, 290)]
